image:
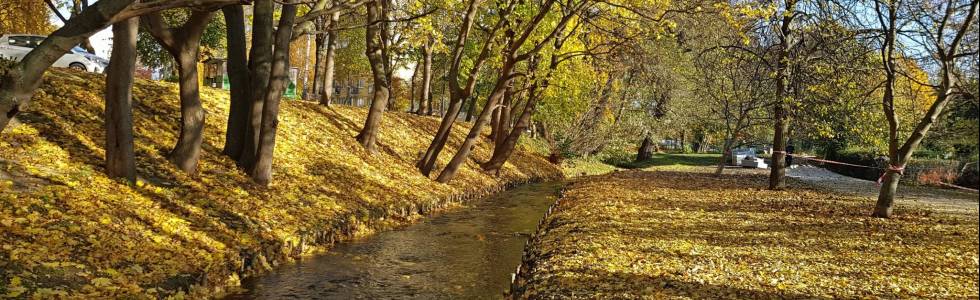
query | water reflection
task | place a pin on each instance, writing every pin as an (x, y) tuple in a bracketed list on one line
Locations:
[(465, 254)]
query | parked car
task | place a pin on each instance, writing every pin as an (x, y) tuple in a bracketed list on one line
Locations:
[(102, 62), (16, 46)]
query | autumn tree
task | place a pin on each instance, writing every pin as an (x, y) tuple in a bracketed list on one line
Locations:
[(462, 81), (737, 88), (939, 29), (253, 118), (24, 16), (376, 36), (19, 82), (514, 53), (261, 171), (183, 43)]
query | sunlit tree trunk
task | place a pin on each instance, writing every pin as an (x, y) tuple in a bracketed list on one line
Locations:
[(329, 65), (726, 153), (262, 171), (777, 174), (501, 119), (506, 76), (320, 57), (458, 92), (260, 67), (508, 137), (183, 43), (119, 153), (375, 36), (474, 134), (412, 90), (426, 96)]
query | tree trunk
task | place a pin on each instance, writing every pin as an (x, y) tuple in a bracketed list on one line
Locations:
[(645, 151), (470, 109), (183, 43), (506, 119), (471, 138), (188, 149), (508, 138), (777, 173), (411, 94), (260, 67), (457, 92), (119, 153), (495, 125), (376, 56), (320, 57), (238, 77), (427, 163), (900, 155), (262, 171), (427, 79), (725, 154), (886, 194), (683, 137), (500, 120), (328, 69)]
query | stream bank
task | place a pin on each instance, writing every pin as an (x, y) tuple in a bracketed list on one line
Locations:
[(464, 253), (69, 231)]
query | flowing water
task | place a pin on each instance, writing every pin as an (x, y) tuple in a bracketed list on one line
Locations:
[(467, 253)]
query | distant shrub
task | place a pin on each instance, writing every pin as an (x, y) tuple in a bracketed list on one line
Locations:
[(920, 170)]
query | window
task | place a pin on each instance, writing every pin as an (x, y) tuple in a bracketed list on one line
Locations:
[(36, 40), (24, 41)]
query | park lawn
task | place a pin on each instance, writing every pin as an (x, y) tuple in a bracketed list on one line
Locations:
[(585, 166), (681, 234), (66, 229)]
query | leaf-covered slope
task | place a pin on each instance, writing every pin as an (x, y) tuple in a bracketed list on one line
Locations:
[(65, 228)]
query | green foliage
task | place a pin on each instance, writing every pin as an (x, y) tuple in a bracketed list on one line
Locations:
[(213, 41), (351, 63)]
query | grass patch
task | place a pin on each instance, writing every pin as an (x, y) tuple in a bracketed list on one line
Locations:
[(664, 159), (668, 234), (585, 166), (66, 229)]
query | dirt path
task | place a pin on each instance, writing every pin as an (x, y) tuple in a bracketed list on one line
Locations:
[(945, 201)]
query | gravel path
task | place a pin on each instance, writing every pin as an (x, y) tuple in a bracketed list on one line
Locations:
[(946, 201)]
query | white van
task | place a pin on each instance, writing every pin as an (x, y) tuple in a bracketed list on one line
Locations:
[(16, 46)]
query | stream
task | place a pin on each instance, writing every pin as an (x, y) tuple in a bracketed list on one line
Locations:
[(465, 253)]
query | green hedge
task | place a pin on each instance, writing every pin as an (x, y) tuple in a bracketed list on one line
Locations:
[(913, 169)]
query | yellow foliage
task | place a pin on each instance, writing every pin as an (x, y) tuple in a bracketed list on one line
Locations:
[(66, 229), (690, 235)]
